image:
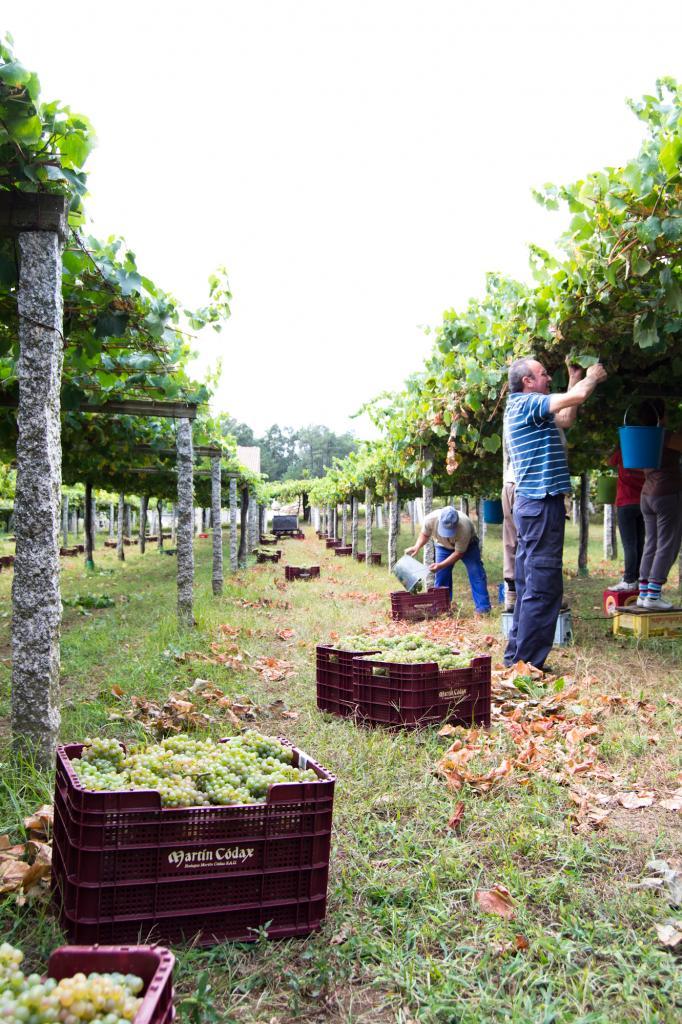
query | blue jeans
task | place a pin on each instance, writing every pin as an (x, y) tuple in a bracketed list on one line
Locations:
[(477, 577), (540, 524)]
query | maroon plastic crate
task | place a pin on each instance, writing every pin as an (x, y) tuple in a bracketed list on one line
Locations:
[(421, 694), (332, 542), (294, 572), (434, 601), (343, 551), (87, 858), (122, 861), (153, 964), (465, 694), (243, 924), (267, 541), (267, 556), (335, 679), (375, 557), (6, 561), (120, 819), (393, 694), (137, 900)]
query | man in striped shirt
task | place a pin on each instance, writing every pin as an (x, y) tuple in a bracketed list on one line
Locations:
[(531, 421)]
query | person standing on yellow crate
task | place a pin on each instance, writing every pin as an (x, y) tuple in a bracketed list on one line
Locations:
[(661, 504)]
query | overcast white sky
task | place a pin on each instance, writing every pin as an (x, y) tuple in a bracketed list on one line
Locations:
[(357, 165)]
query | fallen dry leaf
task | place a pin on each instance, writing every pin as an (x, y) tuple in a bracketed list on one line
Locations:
[(497, 900), (286, 634), (34, 874), (455, 819), (674, 802), (520, 942), (117, 691), (669, 934), (12, 873), (39, 824), (632, 801), (341, 936), (39, 853)]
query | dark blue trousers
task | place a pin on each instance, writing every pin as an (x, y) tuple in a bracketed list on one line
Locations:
[(540, 524), (475, 570)]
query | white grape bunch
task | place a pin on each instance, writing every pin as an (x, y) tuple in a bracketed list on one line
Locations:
[(96, 998), (409, 649), (189, 772)]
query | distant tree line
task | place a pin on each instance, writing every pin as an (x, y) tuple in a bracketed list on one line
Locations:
[(288, 454)]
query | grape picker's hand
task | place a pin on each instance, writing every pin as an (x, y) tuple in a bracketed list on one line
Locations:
[(575, 373), (596, 373), (412, 550), (434, 567)]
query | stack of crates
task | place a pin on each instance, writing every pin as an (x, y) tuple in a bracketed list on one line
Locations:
[(125, 869), (335, 679)]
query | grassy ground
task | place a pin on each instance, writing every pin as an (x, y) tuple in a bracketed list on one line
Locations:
[(405, 939)]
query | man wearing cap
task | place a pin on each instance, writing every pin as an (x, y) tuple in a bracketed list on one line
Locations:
[(455, 539), (532, 419)]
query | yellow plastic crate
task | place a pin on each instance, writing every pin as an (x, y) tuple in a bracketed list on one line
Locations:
[(643, 624)]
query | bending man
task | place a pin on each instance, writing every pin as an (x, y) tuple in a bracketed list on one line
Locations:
[(455, 540), (532, 419)]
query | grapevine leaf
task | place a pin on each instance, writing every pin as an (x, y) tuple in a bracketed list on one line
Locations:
[(645, 333), (492, 443), (111, 324)]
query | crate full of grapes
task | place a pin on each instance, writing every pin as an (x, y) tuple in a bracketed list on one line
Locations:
[(190, 838), (82, 983), (413, 681), (334, 672)]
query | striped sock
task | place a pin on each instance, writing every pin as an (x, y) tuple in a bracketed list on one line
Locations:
[(643, 588), (654, 589)]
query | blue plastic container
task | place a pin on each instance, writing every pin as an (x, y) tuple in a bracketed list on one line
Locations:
[(492, 512), (641, 447)]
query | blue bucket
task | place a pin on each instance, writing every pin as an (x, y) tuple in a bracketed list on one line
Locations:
[(641, 447), (492, 512)]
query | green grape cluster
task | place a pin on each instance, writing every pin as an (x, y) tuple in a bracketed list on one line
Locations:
[(409, 649), (358, 643), (96, 998), (189, 772)]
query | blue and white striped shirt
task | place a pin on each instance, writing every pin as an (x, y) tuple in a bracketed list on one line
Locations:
[(535, 447)]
